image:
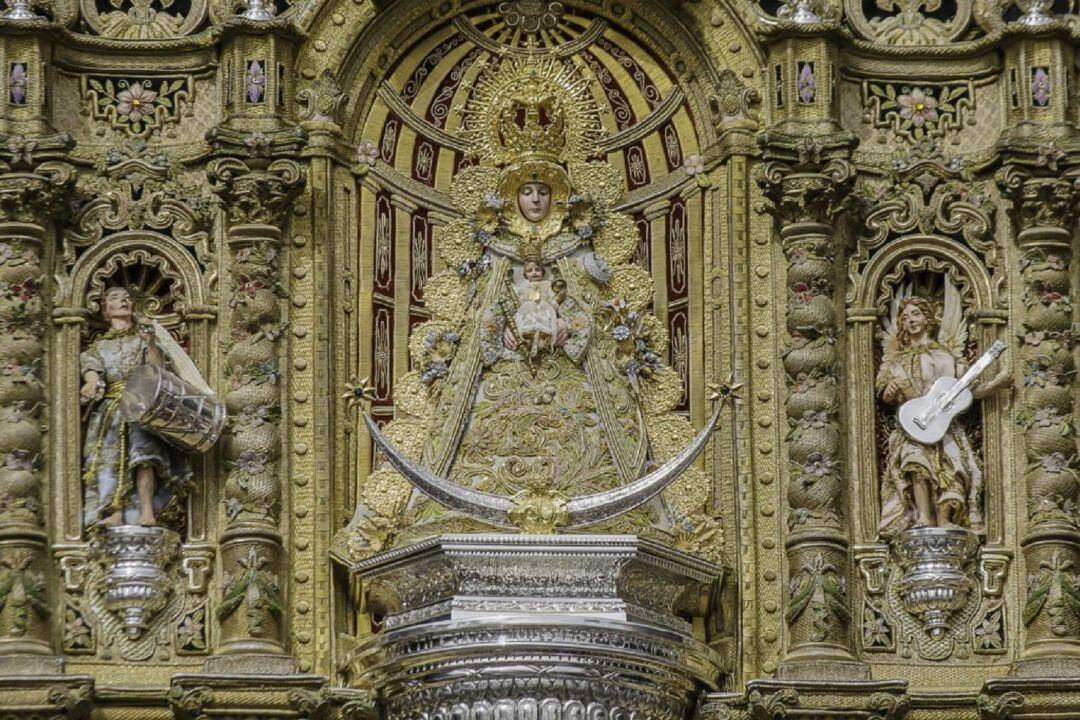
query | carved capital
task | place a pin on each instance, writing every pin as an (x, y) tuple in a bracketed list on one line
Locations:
[(34, 196), (255, 195), (813, 195), (1040, 202)]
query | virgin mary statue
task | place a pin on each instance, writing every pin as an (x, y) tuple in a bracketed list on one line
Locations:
[(541, 369)]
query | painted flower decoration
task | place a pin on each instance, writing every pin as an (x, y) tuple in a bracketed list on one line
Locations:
[(258, 143), (136, 101), (189, 630), (1046, 417), (253, 415), (17, 84), (694, 165), (988, 633), (918, 107), (251, 462), (807, 84), (876, 632), (76, 633), (21, 149), (255, 81), (818, 465), (1055, 463), (621, 332), (367, 153), (1040, 87), (19, 460)]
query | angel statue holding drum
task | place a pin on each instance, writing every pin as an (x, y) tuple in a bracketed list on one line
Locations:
[(539, 377), (937, 484), (137, 472)]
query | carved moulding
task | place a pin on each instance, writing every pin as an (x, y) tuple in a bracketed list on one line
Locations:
[(910, 22), (142, 19), (589, 626)]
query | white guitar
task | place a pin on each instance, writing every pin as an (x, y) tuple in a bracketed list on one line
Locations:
[(926, 419)]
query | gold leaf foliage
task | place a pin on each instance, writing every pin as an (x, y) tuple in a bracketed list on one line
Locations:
[(617, 240), (407, 435), (601, 181), (654, 332), (668, 435), (386, 492), (458, 243), (661, 392), (632, 284), (446, 295), (470, 185), (411, 397), (689, 492)]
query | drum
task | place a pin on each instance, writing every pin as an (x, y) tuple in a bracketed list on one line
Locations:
[(171, 408)]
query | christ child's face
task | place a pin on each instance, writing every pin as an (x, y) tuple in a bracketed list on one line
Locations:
[(534, 201), (914, 320), (117, 304), (533, 271)]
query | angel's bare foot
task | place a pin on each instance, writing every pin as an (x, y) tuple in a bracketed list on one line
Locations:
[(115, 519), (146, 518)]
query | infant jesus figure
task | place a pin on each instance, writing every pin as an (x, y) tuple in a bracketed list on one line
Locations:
[(537, 318)]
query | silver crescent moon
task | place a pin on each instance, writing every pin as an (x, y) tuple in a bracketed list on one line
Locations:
[(584, 510)]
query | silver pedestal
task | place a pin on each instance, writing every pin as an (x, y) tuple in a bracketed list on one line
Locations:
[(551, 627)]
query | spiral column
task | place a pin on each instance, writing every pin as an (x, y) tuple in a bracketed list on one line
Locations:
[(1044, 213), (250, 608)]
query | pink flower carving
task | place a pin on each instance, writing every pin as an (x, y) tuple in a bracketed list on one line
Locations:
[(136, 101), (918, 107)]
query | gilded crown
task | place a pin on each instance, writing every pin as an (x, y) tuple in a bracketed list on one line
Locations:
[(532, 108)]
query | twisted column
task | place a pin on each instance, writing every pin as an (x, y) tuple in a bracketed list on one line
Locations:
[(251, 607), (26, 201), (807, 199), (1044, 213)]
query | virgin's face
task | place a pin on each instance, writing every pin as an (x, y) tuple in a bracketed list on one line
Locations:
[(117, 304), (534, 201), (914, 320)]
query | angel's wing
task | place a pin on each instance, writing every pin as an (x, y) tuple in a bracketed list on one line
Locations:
[(952, 335), (891, 324), (183, 364)]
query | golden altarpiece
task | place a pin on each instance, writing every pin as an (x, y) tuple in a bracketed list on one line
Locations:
[(528, 360)]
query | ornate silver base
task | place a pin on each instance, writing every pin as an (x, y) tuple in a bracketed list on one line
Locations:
[(137, 585), (936, 580), (543, 626)]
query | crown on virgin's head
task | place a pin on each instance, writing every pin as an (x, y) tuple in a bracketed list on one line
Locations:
[(533, 126), (532, 107)]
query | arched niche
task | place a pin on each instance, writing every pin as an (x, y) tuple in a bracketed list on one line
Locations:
[(873, 290), (408, 71), (165, 266)]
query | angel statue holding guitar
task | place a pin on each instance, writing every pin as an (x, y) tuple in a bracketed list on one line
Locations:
[(931, 476)]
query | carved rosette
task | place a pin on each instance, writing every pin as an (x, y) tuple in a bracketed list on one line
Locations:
[(1044, 212), (807, 197), (27, 199), (255, 199)]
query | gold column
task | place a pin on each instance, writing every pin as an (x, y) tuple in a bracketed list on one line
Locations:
[(252, 605), (27, 198), (1044, 211)]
